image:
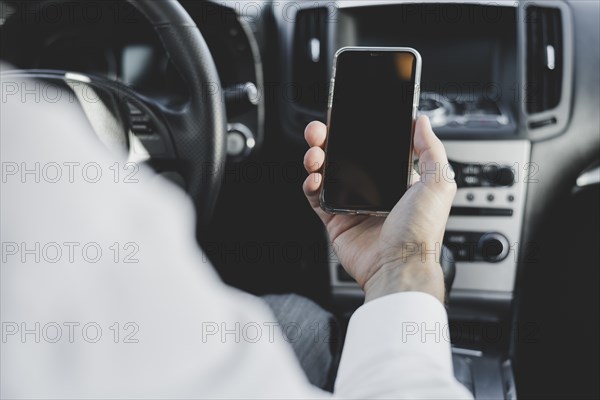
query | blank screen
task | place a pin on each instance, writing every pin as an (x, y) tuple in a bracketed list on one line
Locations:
[(369, 141)]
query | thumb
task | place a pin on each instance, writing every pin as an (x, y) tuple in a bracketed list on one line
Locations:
[(434, 168)]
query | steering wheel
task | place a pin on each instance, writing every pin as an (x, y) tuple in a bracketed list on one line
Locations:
[(191, 135)]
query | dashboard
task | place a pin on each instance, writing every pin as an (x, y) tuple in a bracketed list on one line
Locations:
[(111, 39), (483, 107)]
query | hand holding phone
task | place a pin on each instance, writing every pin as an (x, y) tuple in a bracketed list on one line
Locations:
[(399, 252)]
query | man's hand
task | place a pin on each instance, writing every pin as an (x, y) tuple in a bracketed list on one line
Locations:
[(400, 252)]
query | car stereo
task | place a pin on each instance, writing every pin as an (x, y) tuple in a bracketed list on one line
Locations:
[(463, 114)]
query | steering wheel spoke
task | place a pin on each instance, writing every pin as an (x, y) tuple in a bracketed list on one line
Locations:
[(148, 132)]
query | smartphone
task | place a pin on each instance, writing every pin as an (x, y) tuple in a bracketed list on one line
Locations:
[(372, 107)]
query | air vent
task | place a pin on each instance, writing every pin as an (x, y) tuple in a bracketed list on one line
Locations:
[(310, 74), (544, 58)]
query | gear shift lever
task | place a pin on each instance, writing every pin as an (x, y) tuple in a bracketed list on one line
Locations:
[(448, 268)]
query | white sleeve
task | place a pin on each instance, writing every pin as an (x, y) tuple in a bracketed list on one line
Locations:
[(105, 293), (104, 290), (398, 346)]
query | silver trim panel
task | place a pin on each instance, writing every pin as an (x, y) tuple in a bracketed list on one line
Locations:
[(481, 280)]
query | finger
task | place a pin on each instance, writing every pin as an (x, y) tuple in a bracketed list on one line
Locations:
[(312, 190), (314, 159), (433, 161), (427, 145), (312, 186), (315, 134)]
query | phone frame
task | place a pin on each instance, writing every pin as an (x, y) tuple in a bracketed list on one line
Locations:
[(417, 90)]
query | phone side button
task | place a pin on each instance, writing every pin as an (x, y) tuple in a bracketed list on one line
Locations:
[(331, 88), (417, 97)]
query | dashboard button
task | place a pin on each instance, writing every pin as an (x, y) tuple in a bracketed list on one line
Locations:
[(471, 169), (493, 247), (472, 180), (236, 144), (498, 176)]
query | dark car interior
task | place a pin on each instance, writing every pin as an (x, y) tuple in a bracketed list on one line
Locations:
[(512, 89)]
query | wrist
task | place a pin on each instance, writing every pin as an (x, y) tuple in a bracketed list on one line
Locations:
[(406, 277)]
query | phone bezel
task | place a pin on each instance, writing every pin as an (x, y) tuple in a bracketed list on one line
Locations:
[(417, 87)]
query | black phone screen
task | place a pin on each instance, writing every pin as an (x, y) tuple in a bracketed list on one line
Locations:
[(369, 142)]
